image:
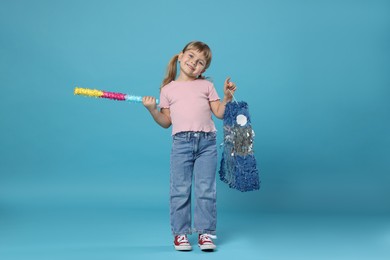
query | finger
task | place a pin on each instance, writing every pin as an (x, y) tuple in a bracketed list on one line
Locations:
[(227, 80), (147, 99)]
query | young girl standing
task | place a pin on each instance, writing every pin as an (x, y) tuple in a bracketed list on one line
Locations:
[(187, 103)]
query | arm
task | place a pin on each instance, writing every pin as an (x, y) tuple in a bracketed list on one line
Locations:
[(217, 107), (162, 117)]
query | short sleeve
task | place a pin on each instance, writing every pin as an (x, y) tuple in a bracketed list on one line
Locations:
[(164, 102), (213, 95)]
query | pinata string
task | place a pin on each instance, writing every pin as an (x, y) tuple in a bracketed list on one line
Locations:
[(235, 100)]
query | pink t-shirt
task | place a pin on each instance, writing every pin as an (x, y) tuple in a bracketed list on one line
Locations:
[(189, 104)]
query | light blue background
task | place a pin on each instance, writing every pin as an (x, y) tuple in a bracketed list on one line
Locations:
[(314, 73)]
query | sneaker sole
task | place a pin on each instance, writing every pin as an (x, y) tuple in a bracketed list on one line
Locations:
[(207, 247), (183, 248)]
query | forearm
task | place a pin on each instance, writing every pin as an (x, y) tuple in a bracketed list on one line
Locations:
[(221, 108), (160, 118)]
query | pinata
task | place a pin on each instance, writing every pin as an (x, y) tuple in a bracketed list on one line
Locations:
[(238, 164)]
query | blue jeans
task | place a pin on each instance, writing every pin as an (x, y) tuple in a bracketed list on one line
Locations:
[(193, 156)]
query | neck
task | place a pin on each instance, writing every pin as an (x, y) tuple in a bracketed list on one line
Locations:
[(183, 77)]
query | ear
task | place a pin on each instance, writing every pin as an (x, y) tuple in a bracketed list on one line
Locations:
[(180, 56)]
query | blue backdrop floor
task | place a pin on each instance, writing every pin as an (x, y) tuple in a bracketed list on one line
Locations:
[(125, 233)]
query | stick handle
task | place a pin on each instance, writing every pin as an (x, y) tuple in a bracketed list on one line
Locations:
[(109, 95)]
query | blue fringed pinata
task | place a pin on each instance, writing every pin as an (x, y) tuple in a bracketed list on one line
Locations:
[(238, 164)]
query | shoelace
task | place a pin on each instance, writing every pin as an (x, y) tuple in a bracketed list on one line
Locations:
[(182, 239), (206, 237)]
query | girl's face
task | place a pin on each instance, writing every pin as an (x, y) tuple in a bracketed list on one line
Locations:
[(192, 63)]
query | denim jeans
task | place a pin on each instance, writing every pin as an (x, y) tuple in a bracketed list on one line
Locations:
[(193, 157)]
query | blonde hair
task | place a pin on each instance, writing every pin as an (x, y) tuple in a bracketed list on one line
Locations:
[(172, 65)]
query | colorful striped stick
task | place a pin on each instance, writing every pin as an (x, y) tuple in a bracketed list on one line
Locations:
[(109, 95)]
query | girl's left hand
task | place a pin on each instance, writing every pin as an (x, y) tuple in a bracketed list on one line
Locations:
[(228, 89)]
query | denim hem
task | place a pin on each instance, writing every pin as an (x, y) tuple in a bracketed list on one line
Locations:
[(205, 232), (187, 232)]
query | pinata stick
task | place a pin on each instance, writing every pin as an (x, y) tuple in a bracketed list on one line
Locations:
[(110, 95)]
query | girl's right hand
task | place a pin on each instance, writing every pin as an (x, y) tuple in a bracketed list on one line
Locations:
[(149, 102)]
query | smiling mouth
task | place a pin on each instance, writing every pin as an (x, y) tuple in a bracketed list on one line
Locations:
[(192, 68)]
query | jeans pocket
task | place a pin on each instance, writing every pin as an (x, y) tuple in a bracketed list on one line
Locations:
[(212, 136), (179, 138)]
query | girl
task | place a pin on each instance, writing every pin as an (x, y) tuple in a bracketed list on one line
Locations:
[(186, 103)]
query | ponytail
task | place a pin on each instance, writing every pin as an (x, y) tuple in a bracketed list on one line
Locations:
[(171, 71)]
